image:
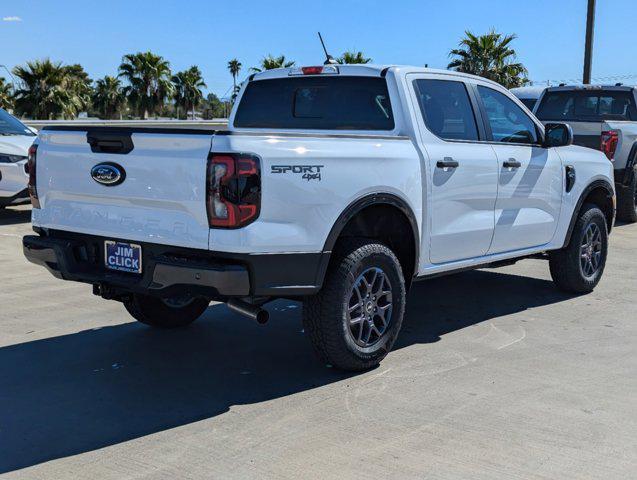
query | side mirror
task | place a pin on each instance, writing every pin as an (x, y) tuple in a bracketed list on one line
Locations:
[(557, 135)]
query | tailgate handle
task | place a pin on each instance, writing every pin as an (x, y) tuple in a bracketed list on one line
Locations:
[(110, 142)]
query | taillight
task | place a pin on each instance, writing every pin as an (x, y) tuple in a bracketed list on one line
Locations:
[(318, 70), (31, 165), (610, 138), (233, 191)]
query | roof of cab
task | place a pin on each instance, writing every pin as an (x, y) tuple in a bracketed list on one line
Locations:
[(528, 92), (570, 88), (367, 70)]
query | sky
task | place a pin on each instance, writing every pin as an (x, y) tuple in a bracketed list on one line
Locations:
[(97, 34)]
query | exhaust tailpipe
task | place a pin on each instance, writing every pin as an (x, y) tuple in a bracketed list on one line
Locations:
[(247, 309)]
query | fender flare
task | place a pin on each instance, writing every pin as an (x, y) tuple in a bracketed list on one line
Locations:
[(357, 206), (580, 202)]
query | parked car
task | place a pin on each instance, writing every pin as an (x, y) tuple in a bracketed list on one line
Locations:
[(619, 143), (338, 186), (528, 95), (15, 140), (603, 118)]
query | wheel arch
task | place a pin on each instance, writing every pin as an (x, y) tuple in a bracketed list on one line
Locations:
[(600, 193), (409, 251)]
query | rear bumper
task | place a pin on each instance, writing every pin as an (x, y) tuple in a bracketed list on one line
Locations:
[(170, 270)]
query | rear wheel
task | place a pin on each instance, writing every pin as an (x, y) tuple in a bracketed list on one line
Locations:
[(172, 312), (354, 320), (627, 202), (579, 266)]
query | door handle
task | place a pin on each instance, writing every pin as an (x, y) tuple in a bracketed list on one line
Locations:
[(511, 163), (447, 162)]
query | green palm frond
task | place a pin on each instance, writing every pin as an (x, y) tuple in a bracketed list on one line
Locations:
[(489, 56)]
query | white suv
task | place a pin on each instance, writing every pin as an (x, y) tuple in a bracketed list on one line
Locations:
[(15, 140)]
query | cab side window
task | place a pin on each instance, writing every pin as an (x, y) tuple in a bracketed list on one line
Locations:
[(446, 109), (507, 120)]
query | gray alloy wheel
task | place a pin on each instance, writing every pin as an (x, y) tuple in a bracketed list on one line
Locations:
[(591, 250), (369, 307)]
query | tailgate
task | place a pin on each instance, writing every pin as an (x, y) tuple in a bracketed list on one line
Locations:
[(161, 198)]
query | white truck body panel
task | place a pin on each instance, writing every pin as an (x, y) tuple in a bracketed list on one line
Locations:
[(297, 214), (162, 200), (627, 131)]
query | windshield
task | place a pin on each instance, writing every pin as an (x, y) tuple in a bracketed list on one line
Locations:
[(9, 125), (587, 106), (316, 103)]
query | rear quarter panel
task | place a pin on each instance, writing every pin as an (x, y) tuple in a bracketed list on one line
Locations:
[(298, 213), (627, 138)]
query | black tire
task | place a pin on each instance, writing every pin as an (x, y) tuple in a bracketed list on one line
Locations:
[(627, 202), (570, 270), (326, 316), (161, 313)]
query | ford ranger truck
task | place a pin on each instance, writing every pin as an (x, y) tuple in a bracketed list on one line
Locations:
[(338, 186), (603, 118)]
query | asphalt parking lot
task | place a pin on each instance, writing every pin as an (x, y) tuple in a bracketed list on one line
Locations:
[(496, 375)]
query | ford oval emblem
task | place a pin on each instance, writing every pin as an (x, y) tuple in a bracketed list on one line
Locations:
[(109, 174)]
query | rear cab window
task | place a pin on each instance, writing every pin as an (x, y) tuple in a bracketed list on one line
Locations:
[(446, 109), (329, 102), (587, 105)]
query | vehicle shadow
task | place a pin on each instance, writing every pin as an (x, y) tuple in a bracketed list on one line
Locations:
[(75, 393), (10, 216)]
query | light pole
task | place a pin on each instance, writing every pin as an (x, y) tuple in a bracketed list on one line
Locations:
[(588, 47), (11, 75)]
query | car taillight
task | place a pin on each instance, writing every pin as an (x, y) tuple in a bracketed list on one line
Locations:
[(610, 139), (31, 166), (233, 190)]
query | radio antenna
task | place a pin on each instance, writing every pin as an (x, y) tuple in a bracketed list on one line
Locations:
[(329, 60)]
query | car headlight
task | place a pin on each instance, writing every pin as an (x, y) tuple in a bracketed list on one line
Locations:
[(4, 158)]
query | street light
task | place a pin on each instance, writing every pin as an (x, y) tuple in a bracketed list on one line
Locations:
[(588, 47), (11, 75)]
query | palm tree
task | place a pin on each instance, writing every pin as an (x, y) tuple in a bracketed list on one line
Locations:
[(148, 77), (352, 58), (234, 66), (489, 56), (269, 63), (6, 95), (78, 82), (108, 97), (51, 90), (187, 88)]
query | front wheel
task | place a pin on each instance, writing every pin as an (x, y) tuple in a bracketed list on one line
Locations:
[(354, 320), (579, 266), (165, 312)]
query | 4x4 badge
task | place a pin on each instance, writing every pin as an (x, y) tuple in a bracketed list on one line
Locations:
[(308, 172)]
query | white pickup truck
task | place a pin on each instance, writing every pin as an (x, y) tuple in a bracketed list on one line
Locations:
[(335, 185), (604, 118)]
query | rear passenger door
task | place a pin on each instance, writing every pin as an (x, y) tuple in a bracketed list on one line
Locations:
[(529, 175), (462, 172)]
